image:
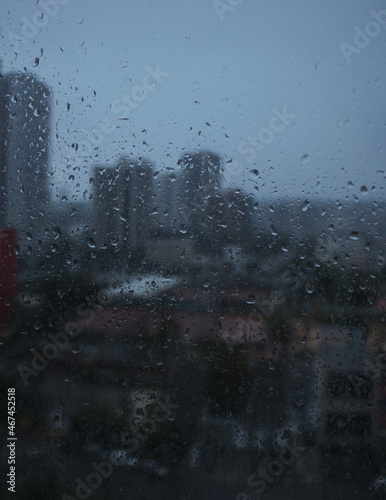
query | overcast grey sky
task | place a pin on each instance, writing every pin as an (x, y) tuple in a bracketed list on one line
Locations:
[(229, 73)]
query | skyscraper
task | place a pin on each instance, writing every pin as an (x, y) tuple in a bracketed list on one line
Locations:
[(201, 180), (24, 146), (170, 204), (122, 203), (201, 173)]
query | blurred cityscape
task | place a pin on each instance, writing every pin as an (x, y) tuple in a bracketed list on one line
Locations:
[(259, 321)]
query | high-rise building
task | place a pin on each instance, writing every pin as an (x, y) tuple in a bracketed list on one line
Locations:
[(24, 146), (201, 180), (107, 205), (138, 178), (170, 203), (202, 175), (226, 220), (122, 205)]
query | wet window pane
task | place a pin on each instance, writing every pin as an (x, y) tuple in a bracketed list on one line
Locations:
[(192, 238)]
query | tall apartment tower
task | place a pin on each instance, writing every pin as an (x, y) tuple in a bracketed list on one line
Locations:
[(201, 180), (170, 203), (122, 205), (24, 149)]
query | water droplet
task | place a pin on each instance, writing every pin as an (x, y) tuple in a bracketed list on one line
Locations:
[(310, 288), (364, 190), (305, 159)]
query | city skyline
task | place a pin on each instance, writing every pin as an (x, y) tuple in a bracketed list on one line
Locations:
[(210, 93), (192, 249)]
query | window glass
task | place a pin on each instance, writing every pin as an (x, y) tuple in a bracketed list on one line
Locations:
[(192, 238)]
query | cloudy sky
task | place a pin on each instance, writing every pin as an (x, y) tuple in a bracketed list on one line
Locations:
[(227, 73)]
